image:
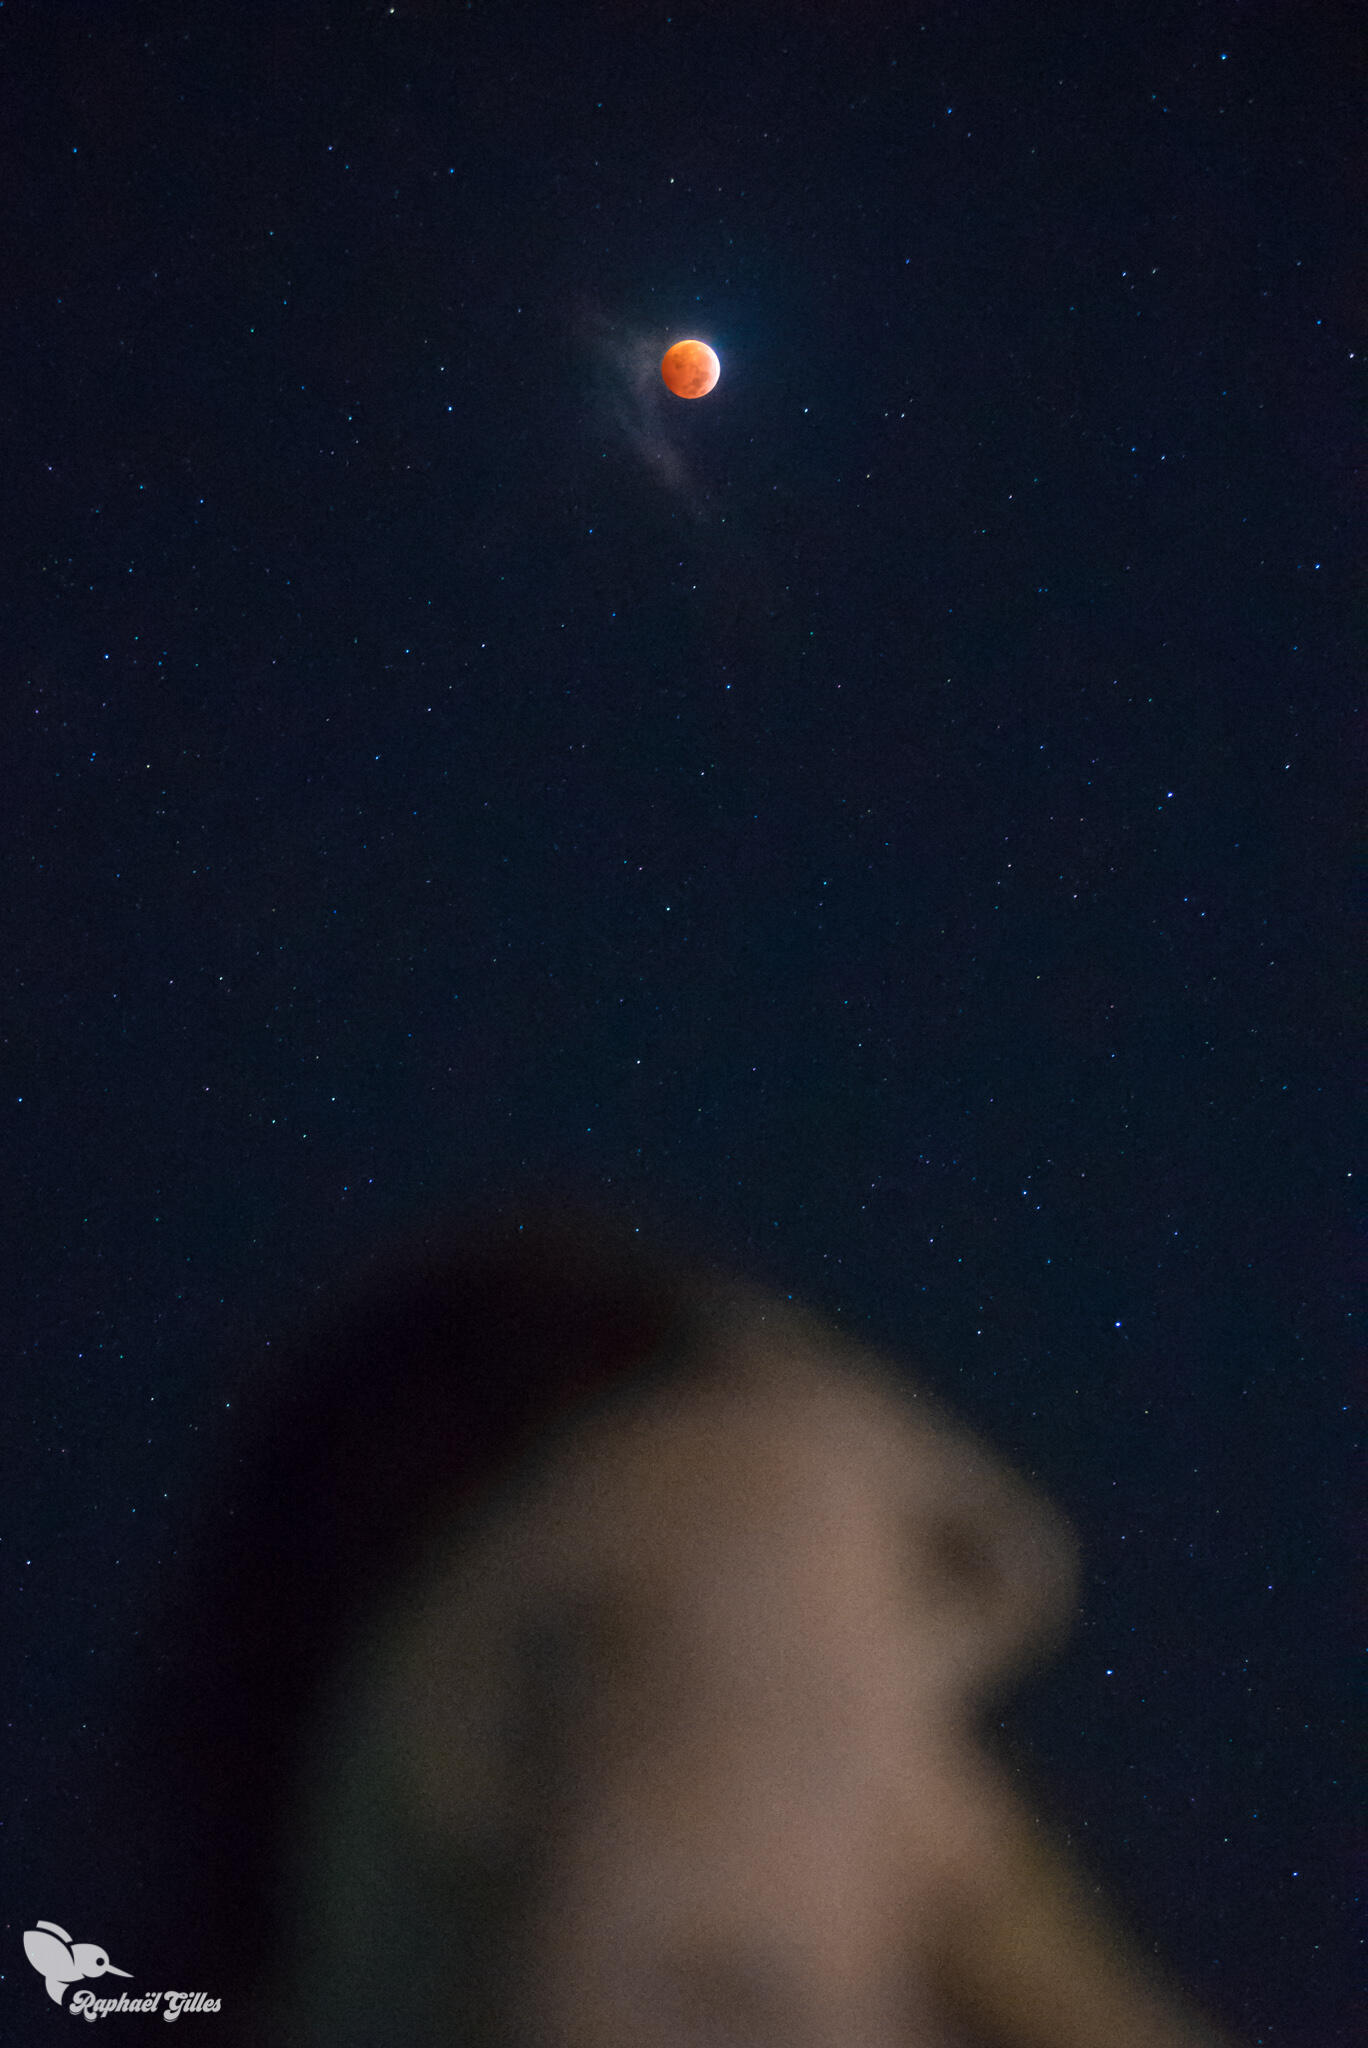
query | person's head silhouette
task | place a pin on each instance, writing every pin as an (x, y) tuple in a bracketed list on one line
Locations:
[(585, 1652)]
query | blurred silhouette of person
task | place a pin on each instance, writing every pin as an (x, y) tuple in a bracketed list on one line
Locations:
[(587, 1650)]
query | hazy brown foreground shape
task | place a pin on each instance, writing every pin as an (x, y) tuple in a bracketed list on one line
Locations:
[(597, 1658)]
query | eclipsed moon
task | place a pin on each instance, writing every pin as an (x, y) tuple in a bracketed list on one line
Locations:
[(690, 369)]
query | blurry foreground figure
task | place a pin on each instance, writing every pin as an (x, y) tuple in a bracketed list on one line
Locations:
[(588, 1655)]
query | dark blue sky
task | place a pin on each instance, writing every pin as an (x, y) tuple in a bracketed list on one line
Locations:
[(890, 816)]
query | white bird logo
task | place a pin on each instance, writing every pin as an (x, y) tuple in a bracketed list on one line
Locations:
[(62, 1961)]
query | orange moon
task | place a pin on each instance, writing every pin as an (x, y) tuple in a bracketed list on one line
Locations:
[(690, 369)]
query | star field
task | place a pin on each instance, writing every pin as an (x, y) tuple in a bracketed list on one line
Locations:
[(887, 816)]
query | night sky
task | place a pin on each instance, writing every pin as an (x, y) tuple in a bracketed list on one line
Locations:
[(888, 818)]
